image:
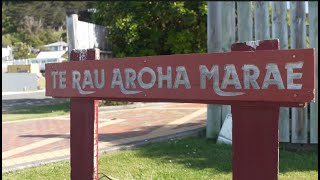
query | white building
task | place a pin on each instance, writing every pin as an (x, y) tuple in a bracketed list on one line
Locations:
[(57, 46), (7, 57), (43, 58), (6, 53), (48, 57), (51, 54)]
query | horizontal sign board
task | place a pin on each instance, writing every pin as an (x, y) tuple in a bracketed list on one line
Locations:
[(271, 76)]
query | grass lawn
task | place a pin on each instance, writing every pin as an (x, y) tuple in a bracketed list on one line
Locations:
[(37, 112), (191, 158), (47, 111)]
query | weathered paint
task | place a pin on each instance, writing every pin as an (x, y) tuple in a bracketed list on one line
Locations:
[(299, 128), (261, 20), (255, 135), (227, 24), (214, 44), (83, 128), (280, 31), (228, 37), (244, 15), (279, 23), (204, 78), (84, 35), (313, 36)]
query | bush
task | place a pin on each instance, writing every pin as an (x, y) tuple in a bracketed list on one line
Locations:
[(113, 103)]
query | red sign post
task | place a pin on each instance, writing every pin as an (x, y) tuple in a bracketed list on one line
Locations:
[(84, 128), (254, 83), (255, 132)]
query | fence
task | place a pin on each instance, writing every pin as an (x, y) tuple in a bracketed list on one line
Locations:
[(5, 65), (293, 26), (40, 61), (84, 35)]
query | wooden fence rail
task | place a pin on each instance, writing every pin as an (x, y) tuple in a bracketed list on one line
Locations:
[(251, 21), (280, 31), (313, 36)]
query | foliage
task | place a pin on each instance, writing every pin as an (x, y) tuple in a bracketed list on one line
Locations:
[(32, 55), (113, 103), (34, 15), (8, 39), (154, 28), (39, 22), (21, 50), (8, 22), (135, 28)]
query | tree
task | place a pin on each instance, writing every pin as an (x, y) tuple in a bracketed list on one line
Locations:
[(21, 50), (9, 24), (38, 22), (153, 28)]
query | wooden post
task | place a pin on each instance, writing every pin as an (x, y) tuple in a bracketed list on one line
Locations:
[(228, 37), (244, 21), (299, 131), (84, 128), (214, 44), (73, 42), (84, 35), (255, 136), (280, 31), (261, 20), (313, 36)]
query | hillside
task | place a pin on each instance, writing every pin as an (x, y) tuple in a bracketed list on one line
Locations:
[(37, 23)]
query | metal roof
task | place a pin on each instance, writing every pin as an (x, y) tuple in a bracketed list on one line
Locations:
[(59, 43), (51, 54)]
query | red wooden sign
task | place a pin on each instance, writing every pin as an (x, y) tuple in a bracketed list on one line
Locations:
[(285, 77), (255, 83)]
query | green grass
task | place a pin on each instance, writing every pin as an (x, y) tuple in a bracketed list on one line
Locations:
[(37, 112), (48, 111), (191, 158)]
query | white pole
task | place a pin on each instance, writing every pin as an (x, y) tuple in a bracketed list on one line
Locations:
[(72, 33), (214, 44)]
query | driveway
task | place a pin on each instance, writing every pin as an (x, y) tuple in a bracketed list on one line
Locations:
[(39, 141)]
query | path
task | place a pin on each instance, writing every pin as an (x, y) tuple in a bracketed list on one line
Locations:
[(39, 141)]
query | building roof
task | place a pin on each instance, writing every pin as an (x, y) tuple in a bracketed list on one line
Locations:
[(59, 43), (51, 54)]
